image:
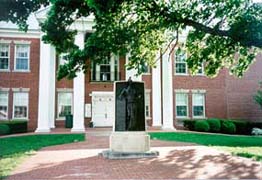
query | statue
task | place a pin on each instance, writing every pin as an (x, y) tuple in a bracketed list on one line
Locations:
[(130, 106)]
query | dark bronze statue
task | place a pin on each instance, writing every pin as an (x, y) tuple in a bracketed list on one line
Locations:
[(130, 112)]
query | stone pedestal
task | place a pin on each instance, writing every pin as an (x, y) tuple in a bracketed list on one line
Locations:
[(128, 141), (129, 144)]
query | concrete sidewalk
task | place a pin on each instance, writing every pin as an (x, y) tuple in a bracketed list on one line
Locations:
[(176, 160)]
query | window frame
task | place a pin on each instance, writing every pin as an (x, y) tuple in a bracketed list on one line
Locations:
[(72, 103), (175, 62), (15, 57), (148, 93), (27, 106), (9, 50), (7, 105), (187, 104), (204, 105), (203, 73), (112, 64)]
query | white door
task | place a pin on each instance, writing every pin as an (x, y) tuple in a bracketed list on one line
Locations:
[(102, 109)]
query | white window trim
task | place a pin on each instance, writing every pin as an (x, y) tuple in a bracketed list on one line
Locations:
[(64, 90), (9, 50), (112, 70), (204, 104), (187, 105), (180, 74), (203, 72), (149, 92), (13, 113), (29, 49), (6, 91)]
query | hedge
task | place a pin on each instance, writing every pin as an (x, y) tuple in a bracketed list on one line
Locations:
[(202, 126), (4, 129), (15, 126), (227, 126)]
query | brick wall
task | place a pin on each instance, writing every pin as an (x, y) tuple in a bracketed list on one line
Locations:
[(29, 80)]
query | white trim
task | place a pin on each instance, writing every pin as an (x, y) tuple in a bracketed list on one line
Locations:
[(148, 91), (5, 32), (22, 42), (181, 90), (20, 89), (7, 109), (9, 50), (4, 41), (187, 106), (64, 90), (203, 91), (22, 70), (4, 89), (72, 105), (27, 108), (175, 62), (204, 106)]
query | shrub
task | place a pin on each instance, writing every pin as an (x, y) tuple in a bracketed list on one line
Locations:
[(16, 126), (202, 125), (4, 129), (242, 127), (214, 124), (228, 127), (189, 124)]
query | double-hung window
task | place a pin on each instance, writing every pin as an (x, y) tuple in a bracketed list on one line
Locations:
[(181, 105), (22, 57), (64, 104), (20, 105), (147, 104), (180, 62), (198, 103), (4, 56), (3, 105), (107, 70)]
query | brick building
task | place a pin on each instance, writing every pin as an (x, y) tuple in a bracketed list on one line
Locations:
[(29, 89)]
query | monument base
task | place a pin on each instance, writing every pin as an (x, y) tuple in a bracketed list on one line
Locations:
[(125, 155), (129, 144)]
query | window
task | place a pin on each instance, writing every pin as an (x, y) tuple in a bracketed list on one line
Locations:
[(198, 101), (201, 70), (147, 104), (146, 69), (22, 57), (181, 105), (20, 110), (4, 57), (64, 104), (107, 70), (3, 105), (180, 62)]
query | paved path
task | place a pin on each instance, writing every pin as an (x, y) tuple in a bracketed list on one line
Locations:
[(176, 160)]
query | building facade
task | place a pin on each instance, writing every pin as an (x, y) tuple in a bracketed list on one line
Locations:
[(29, 89)]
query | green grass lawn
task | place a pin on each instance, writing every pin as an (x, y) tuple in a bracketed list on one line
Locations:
[(245, 146), (14, 149)]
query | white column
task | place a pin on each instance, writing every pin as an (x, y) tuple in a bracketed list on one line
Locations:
[(79, 92), (156, 94), (132, 72), (46, 100), (167, 85)]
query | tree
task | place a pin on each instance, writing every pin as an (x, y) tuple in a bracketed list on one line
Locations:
[(221, 33), (258, 96)]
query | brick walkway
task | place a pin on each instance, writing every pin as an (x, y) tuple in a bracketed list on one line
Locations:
[(176, 160)]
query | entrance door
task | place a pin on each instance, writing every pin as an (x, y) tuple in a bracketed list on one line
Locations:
[(102, 109)]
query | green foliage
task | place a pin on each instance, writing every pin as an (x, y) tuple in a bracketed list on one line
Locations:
[(202, 126), (16, 126), (258, 98), (218, 30), (4, 129), (209, 139), (214, 125), (189, 124), (228, 127), (242, 127)]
